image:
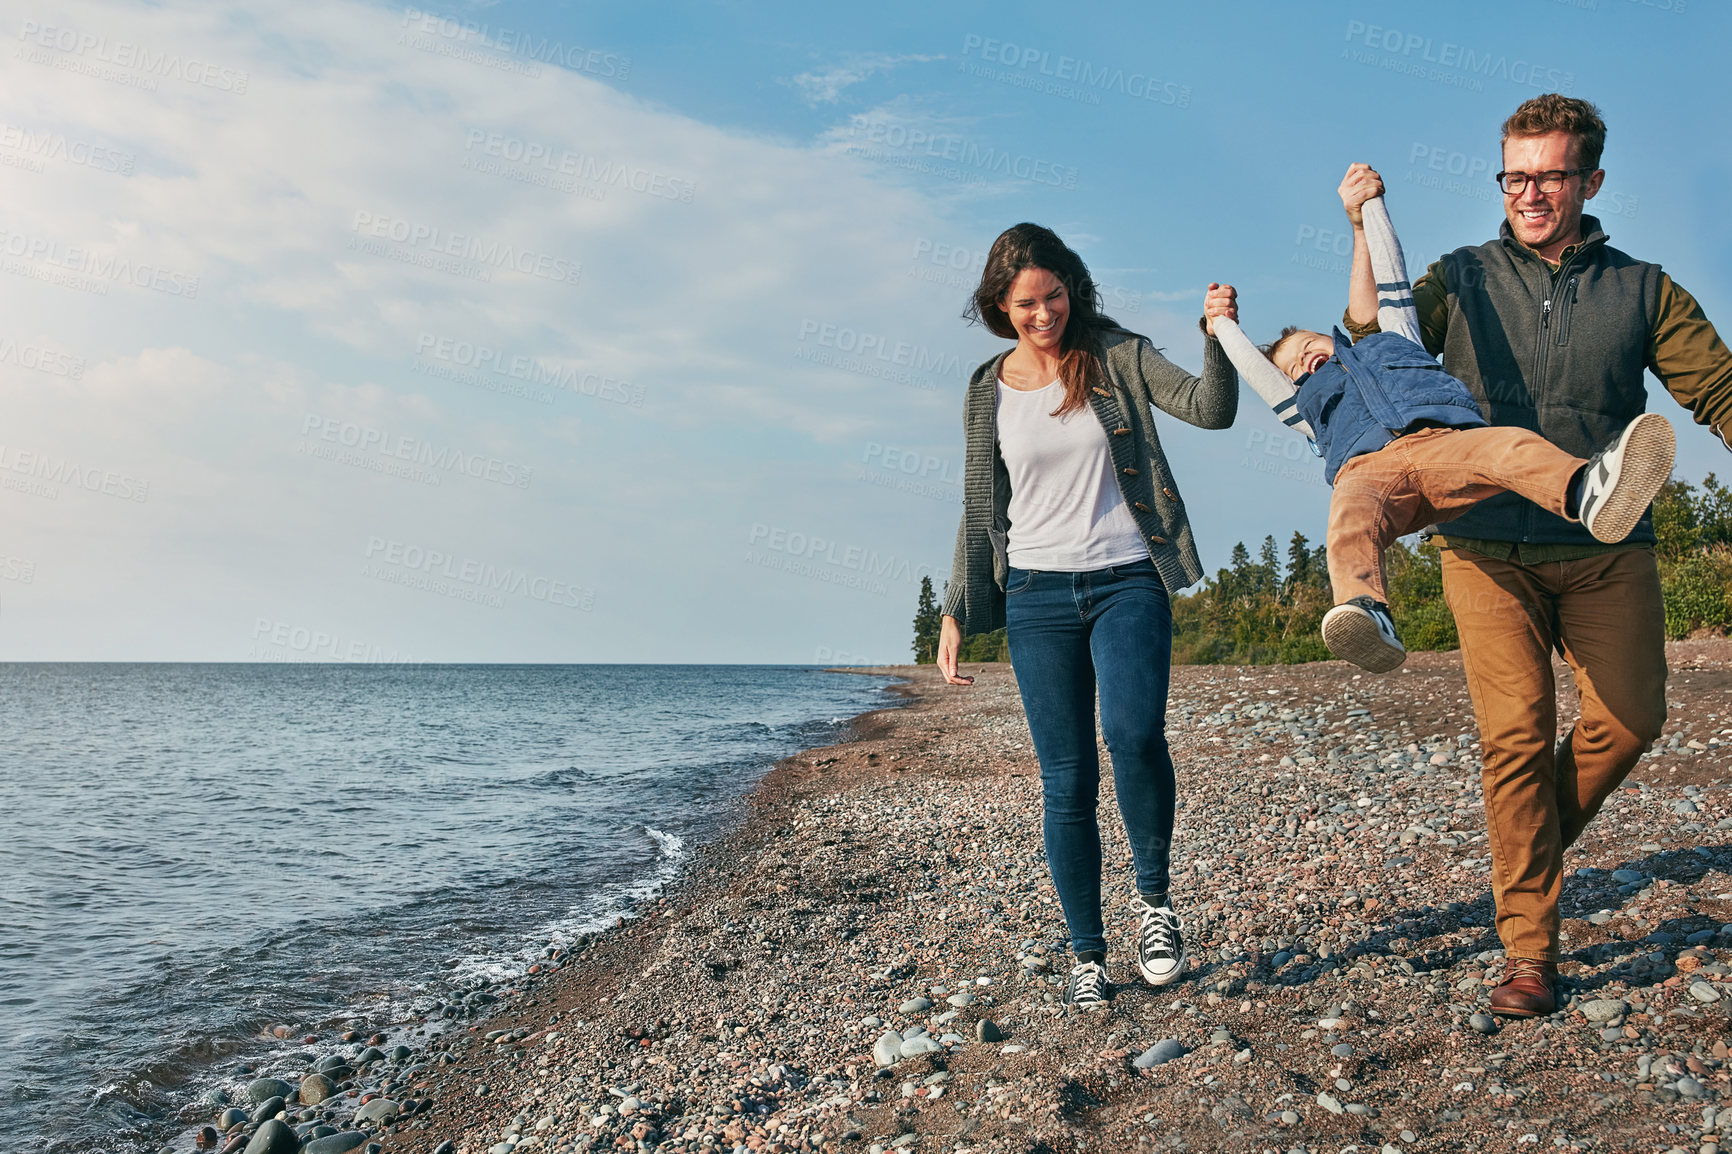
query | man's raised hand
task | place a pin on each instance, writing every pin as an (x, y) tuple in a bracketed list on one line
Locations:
[(1222, 300), (1359, 185)]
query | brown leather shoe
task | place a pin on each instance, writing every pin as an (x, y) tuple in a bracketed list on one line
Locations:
[(1527, 989)]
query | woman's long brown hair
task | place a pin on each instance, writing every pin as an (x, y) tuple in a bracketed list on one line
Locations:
[(1025, 246)]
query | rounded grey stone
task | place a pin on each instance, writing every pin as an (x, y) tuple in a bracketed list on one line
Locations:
[(315, 1088), (986, 1030), (1159, 1054), (269, 1108), (336, 1143), (888, 1048), (1342, 1051), (915, 1006), (1690, 1088), (264, 1089), (920, 1045), (378, 1110), (274, 1137)]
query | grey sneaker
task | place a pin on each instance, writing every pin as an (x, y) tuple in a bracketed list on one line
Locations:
[(1361, 631), (1620, 481), (1160, 944), (1087, 987)]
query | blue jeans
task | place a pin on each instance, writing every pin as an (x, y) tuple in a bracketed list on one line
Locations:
[(1068, 633)]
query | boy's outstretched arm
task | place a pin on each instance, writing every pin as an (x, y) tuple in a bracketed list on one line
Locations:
[(1267, 381), (1360, 185)]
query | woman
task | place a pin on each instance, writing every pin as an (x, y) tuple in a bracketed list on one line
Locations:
[(1073, 536)]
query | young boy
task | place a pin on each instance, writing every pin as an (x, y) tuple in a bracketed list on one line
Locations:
[(1405, 445)]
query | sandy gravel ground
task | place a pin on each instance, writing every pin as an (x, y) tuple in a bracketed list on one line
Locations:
[(823, 978)]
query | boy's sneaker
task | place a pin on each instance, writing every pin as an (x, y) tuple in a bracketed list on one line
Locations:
[(1160, 946), (1361, 631), (1620, 481), (1087, 987)]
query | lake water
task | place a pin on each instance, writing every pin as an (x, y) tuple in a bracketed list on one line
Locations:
[(191, 854)]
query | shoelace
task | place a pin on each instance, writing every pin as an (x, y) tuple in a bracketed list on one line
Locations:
[(1158, 935), (1086, 983), (1523, 968)]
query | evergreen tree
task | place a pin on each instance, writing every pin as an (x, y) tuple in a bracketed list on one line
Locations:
[(1237, 582), (1298, 562), (927, 622)]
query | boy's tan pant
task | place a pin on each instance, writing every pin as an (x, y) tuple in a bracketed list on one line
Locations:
[(1605, 615), (1427, 476)]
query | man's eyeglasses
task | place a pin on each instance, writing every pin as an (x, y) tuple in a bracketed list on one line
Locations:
[(1552, 181)]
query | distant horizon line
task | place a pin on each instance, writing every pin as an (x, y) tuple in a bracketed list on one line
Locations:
[(456, 664)]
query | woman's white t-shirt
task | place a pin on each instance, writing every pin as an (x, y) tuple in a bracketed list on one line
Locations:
[(1066, 512)]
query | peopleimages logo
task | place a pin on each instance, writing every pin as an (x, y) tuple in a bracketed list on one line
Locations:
[(378, 450), (957, 266), (39, 146), (911, 471), (1454, 64), (463, 246), (544, 49), (1071, 70), (466, 579), (956, 157), (305, 643), (522, 367), (854, 558), (88, 46), (65, 471), (41, 359), (890, 353), (564, 170), (101, 269)]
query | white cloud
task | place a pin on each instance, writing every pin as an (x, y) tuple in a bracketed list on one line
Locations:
[(718, 274), (827, 85)]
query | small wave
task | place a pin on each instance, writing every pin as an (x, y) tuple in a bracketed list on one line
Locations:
[(596, 911), (560, 778), (671, 846)]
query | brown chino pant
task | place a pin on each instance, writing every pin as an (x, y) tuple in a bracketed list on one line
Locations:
[(1605, 615), (1428, 476)]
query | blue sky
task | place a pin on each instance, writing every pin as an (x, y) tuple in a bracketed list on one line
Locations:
[(631, 332)]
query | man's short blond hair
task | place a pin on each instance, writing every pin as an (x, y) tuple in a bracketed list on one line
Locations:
[(1555, 113)]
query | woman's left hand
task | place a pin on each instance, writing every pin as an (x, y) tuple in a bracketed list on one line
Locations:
[(1220, 301)]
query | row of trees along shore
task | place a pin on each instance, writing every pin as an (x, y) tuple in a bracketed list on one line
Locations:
[(1269, 610)]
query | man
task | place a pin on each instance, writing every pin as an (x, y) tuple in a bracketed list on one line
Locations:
[(1551, 329)]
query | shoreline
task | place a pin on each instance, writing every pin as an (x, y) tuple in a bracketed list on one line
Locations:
[(408, 1029), (1329, 866)]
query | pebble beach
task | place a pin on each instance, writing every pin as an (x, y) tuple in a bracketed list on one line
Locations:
[(872, 959)]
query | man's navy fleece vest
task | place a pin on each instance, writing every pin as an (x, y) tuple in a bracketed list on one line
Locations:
[(1560, 354)]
